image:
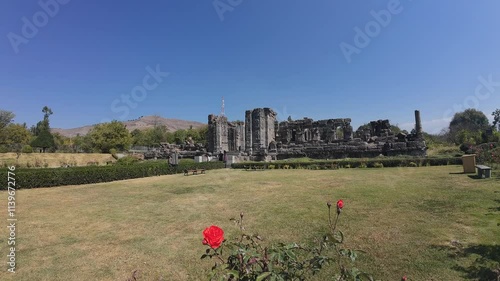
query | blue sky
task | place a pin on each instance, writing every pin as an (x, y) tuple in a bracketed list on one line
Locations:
[(84, 56)]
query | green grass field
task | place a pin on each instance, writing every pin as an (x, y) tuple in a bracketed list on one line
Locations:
[(408, 220)]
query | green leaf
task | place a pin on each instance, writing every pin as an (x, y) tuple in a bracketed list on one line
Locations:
[(263, 276), (339, 236), (234, 273)]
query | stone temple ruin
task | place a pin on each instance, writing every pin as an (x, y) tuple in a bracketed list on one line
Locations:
[(262, 138)]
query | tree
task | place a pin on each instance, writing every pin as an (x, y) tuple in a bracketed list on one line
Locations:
[(62, 143), (156, 135), (395, 129), (5, 118), (16, 134), (467, 123), (193, 134), (202, 131), (82, 143), (106, 136), (496, 119), (44, 139), (180, 136), (46, 112), (138, 138)]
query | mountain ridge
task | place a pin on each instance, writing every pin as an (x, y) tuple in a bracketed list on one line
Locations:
[(141, 123)]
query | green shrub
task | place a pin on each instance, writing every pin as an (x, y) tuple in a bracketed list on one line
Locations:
[(186, 161), (27, 149), (353, 163), (35, 178), (412, 164), (127, 160), (312, 167), (378, 165), (113, 153)]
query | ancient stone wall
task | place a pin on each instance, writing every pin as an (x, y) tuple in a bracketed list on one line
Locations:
[(217, 134), (262, 137)]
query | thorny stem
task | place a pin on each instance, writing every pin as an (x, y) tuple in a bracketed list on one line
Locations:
[(335, 225), (341, 267), (219, 257)]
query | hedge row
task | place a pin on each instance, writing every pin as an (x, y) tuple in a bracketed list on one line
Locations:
[(34, 178), (353, 163)]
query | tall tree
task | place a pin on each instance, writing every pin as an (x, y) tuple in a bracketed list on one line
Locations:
[(44, 139)]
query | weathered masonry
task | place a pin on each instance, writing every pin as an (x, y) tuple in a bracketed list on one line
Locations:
[(262, 137)]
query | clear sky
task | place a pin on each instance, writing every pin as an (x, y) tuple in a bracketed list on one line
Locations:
[(365, 60)]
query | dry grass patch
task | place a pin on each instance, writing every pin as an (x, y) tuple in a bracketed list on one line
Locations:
[(53, 160)]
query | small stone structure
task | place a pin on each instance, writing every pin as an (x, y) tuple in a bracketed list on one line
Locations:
[(262, 137)]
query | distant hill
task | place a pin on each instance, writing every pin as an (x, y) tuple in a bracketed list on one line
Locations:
[(141, 124)]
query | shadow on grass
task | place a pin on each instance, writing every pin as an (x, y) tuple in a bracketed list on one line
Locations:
[(476, 177), (495, 209), (486, 265), (484, 260)]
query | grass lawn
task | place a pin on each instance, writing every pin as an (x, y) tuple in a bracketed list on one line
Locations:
[(404, 218)]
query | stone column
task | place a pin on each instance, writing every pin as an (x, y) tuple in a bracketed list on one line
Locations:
[(418, 124), (248, 131)]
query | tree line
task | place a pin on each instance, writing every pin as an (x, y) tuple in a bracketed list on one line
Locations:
[(467, 127), (102, 138)]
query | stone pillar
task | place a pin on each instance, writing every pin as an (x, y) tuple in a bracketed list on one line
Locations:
[(211, 134), (418, 124), (258, 129), (248, 131)]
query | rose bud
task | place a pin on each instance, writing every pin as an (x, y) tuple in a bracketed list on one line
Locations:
[(340, 205)]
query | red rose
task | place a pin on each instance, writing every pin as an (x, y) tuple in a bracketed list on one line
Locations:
[(404, 278), (213, 236), (340, 204)]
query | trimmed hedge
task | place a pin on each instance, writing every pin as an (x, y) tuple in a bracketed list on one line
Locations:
[(35, 178), (353, 163)]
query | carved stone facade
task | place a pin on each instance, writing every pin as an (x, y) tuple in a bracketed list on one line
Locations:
[(261, 137), (260, 130)]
